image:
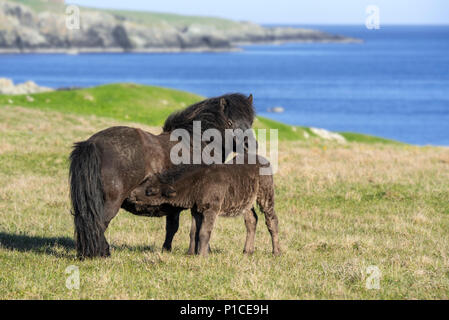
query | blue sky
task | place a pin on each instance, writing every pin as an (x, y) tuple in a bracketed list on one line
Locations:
[(294, 11)]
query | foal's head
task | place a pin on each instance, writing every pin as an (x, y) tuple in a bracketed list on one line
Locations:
[(153, 191)]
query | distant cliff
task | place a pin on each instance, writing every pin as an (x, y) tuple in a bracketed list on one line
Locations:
[(40, 26)]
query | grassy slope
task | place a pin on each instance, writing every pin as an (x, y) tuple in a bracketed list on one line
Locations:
[(341, 209), (128, 102), (155, 18), (145, 104), (41, 6)]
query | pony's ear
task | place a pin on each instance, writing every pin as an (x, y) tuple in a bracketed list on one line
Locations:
[(250, 99), (222, 104)]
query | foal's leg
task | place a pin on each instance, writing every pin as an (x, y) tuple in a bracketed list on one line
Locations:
[(193, 237), (206, 230), (271, 220), (251, 223), (171, 227), (272, 225), (197, 220)]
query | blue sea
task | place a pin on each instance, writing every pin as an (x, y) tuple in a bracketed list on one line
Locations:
[(394, 85)]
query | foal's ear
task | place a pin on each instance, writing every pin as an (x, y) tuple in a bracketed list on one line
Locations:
[(169, 192), (250, 99), (222, 104), (152, 191)]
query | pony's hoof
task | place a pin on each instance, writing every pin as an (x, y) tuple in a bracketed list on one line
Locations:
[(106, 255), (249, 253), (165, 249)]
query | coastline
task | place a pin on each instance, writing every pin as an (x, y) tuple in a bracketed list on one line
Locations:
[(75, 51), (234, 48), (27, 29)]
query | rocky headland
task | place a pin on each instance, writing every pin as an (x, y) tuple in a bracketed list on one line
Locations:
[(40, 26)]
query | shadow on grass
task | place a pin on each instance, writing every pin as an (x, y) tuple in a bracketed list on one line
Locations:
[(57, 246), (125, 247), (62, 247)]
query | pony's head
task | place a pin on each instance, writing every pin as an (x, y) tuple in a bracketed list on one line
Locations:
[(240, 120), (239, 110), (230, 111)]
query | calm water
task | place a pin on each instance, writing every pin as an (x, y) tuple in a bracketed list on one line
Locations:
[(394, 85)]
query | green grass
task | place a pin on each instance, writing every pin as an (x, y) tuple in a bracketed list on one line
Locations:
[(127, 102), (179, 21), (147, 105), (151, 19), (358, 137), (41, 6), (341, 207)]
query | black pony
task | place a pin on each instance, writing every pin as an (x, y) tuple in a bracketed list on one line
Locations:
[(107, 167)]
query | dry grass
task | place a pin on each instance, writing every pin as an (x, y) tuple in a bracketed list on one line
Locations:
[(342, 208)]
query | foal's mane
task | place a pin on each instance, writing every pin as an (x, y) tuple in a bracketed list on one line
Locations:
[(237, 107), (177, 172)]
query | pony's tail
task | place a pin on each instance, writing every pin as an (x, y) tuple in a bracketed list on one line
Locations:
[(86, 193)]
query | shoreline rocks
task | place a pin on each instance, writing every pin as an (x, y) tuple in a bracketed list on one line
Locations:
[(328, 135), (276, 110), (29, 87)]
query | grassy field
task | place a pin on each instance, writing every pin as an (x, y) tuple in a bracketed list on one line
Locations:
[(342, 208)]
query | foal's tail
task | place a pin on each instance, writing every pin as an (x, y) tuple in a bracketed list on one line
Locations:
[(86, 193)]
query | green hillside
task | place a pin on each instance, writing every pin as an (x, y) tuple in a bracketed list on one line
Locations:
[(144, 104), (126, 102), (143, 17)]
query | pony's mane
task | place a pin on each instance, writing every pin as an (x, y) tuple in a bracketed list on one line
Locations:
[(237, 106)]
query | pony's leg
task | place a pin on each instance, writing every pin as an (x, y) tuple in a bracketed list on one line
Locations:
[(193, 237), (114, 195), (206, 230), (251, 223), (111, 209), (171, 227)]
